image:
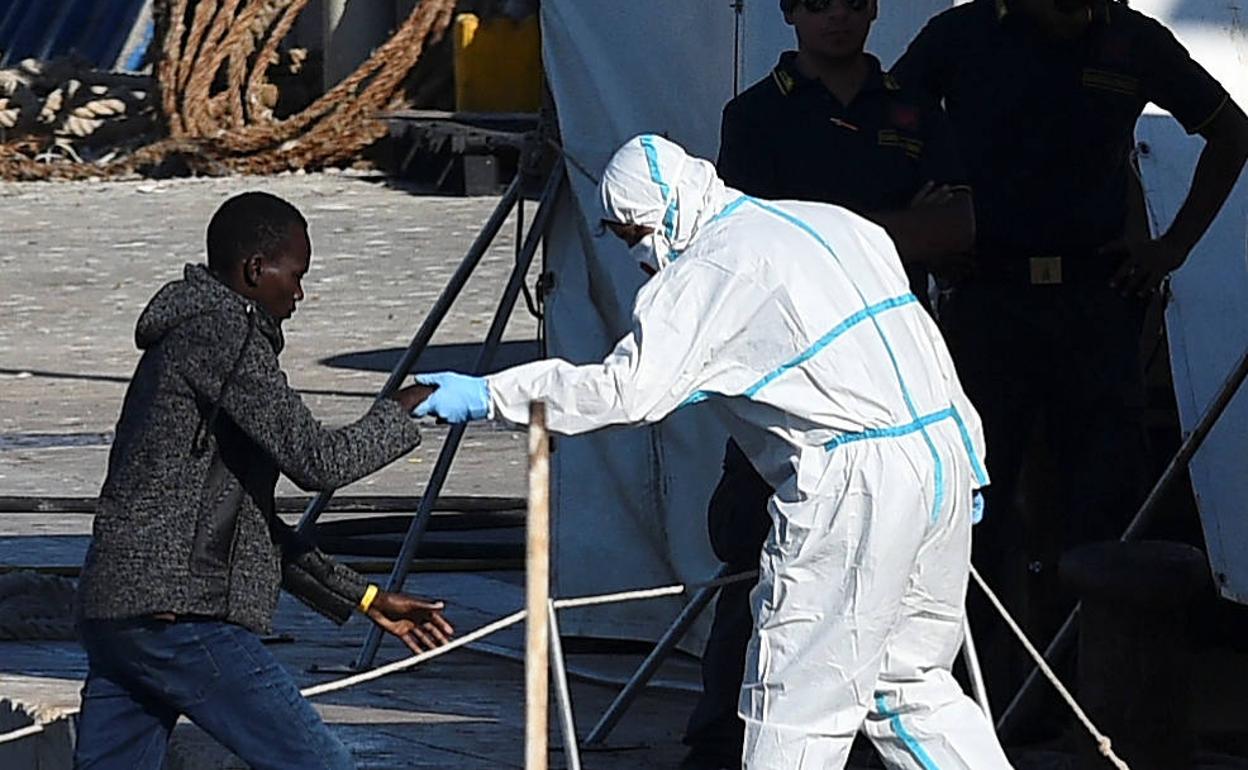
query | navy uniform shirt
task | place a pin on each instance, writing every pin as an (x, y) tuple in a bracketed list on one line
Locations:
[(788, 137), (1046, 127)]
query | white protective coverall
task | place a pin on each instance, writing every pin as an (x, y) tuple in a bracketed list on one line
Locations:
[(795, 321)]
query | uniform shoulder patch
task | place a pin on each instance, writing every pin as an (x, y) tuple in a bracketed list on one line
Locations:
[(784, 81), (890, 83)]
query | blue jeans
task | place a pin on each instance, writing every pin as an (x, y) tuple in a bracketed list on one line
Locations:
[(143, 674)]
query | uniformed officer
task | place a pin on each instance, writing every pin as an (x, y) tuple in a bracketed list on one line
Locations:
[(829, 125), (1044, 96), (826, 125)]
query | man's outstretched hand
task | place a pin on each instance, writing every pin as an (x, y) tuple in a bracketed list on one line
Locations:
[(417, 622), (413, 396)]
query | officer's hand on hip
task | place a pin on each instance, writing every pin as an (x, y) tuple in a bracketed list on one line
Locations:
[(1145, 264), (458, 398)]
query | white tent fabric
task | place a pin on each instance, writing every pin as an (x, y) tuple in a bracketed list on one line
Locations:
[(629, 505), (1207, 319)]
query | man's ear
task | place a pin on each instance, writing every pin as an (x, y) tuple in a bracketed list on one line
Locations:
[(252, 267)]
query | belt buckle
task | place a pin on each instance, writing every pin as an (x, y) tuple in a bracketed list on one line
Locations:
[(1046, 271)]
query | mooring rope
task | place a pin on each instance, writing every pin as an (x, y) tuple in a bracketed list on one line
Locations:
[(232, 129), (1103, 743)]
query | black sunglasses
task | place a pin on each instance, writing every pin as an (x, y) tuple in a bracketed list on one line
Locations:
[(819, 6)]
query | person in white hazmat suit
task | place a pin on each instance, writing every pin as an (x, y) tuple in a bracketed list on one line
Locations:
[(795, 321)]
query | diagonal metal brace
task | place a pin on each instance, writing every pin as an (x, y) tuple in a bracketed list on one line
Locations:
[(446, 456), (434, 319)]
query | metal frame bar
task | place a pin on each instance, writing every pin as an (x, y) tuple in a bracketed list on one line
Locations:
[(973, 670), (415, 532), (650, 666), (441, 306), (558, 669), (1148, 510)]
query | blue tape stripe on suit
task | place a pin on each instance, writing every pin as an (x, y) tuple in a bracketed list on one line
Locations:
[(897, 431), (888, 348), (894, 720), (656, 176), (818, 345)]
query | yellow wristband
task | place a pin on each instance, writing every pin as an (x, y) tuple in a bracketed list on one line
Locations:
[(370, 593)]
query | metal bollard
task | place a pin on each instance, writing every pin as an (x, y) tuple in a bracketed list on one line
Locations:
[(1134, 663)]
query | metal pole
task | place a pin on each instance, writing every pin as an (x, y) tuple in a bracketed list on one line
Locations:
[(502, 314), (973, 670), (1190, 446), (738, 7), (537, 580), (567, 722), (671, 637), (1178, 465), (437, 313)]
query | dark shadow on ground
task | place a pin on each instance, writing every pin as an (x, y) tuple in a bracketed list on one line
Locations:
[(89, 377), (437, 358)]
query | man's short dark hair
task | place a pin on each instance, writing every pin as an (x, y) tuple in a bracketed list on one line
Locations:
[(248, 224), (787, 6)]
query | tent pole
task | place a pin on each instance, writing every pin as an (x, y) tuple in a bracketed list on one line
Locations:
[(976, 674), (567, 723)]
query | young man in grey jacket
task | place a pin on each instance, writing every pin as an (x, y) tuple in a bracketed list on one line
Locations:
[(188, 555)]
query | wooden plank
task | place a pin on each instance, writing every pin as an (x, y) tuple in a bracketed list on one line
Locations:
[(537, 578)]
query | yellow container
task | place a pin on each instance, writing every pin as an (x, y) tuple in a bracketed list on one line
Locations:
[(498, 64)]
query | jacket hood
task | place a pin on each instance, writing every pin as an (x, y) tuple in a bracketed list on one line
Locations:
[(199, 293)]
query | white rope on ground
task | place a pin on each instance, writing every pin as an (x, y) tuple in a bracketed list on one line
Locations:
[(28, 730), (480, 633), (511, 620), (651, 593), (406, 663), (1103, 743)]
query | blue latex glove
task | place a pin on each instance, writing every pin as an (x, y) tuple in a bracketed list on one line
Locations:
[(977, 507), (459, 397)]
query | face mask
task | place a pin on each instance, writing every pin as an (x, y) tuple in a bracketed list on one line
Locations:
[(652, 251)]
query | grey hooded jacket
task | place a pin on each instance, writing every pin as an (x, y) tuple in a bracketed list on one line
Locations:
[(185, 521)]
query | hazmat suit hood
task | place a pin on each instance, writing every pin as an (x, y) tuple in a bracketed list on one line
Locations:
[(653, 182)]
